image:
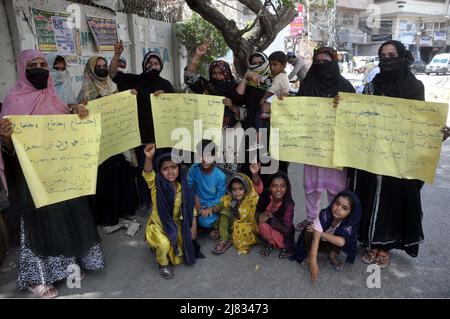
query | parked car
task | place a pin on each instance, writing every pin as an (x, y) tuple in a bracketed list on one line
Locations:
[(418, 66), (439, 64)]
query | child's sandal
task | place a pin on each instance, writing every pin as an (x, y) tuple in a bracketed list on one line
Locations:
[(337, 265), (214, 235), (221, 247), (166, 272), (266, 250), (283, 254)]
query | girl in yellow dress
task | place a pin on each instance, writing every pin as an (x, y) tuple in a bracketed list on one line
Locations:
[(172, 228), (237, 219)]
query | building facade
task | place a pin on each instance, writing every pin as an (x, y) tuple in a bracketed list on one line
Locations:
[(361, 26)]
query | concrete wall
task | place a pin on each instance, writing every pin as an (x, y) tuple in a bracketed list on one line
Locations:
[(150, 35), (144, 34), (7, 66)]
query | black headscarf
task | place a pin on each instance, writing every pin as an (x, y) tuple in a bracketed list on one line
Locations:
[(226, 87), (348, 229), (400, 83), (325, 79), (165, 199), (153, 73), (221, 87)]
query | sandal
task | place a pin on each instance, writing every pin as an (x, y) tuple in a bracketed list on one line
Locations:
[(221, 247), (166, 272), (337, 265), (382, 261), (214, 235), (369, 257), (266, 250), (44, 291), (283, 254)]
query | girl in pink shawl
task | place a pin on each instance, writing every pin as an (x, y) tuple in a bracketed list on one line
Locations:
[(56, 236)]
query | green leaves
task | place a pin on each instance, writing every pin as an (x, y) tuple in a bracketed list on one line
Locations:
[(197, 31)]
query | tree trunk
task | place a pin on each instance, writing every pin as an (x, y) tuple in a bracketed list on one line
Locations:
[(266, 28)]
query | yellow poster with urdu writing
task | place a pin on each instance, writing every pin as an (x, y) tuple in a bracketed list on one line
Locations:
[(120, 126), (58, 155), (183, 120), (389, 136), (305, 130)]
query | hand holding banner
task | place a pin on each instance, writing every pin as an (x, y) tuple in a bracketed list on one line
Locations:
[(58, 155)]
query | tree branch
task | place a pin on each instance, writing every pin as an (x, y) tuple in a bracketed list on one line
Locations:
[(254, 5), (226, 27), (265, 27), (248, 28), (274, 9), (270, 26)]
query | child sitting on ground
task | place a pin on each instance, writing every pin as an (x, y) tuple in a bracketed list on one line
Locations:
[(172, 227), (208, 183), (333, 231), (276, 213), (237, 213)]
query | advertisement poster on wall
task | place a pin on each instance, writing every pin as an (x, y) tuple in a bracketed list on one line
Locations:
[(53, 32), (64, 38), (104, 31)]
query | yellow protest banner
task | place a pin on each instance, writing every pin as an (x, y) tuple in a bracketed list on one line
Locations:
[(58, 155), (389, 136), (182, 120), (120, 126), (305, 130)]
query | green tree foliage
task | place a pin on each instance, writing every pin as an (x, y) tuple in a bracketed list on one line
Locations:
[(196, 31)]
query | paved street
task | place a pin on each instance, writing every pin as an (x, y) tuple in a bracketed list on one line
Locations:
[(132, 270)]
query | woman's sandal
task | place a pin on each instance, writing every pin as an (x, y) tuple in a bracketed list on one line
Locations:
[(283, 254), (266, 250), (369, 257), (221, 247), (382, 261), (44, 291)]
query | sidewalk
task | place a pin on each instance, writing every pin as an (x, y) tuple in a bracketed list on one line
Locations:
[(132, 271)]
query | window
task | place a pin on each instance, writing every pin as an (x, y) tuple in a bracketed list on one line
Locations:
[(407, 26), (347, 19)]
